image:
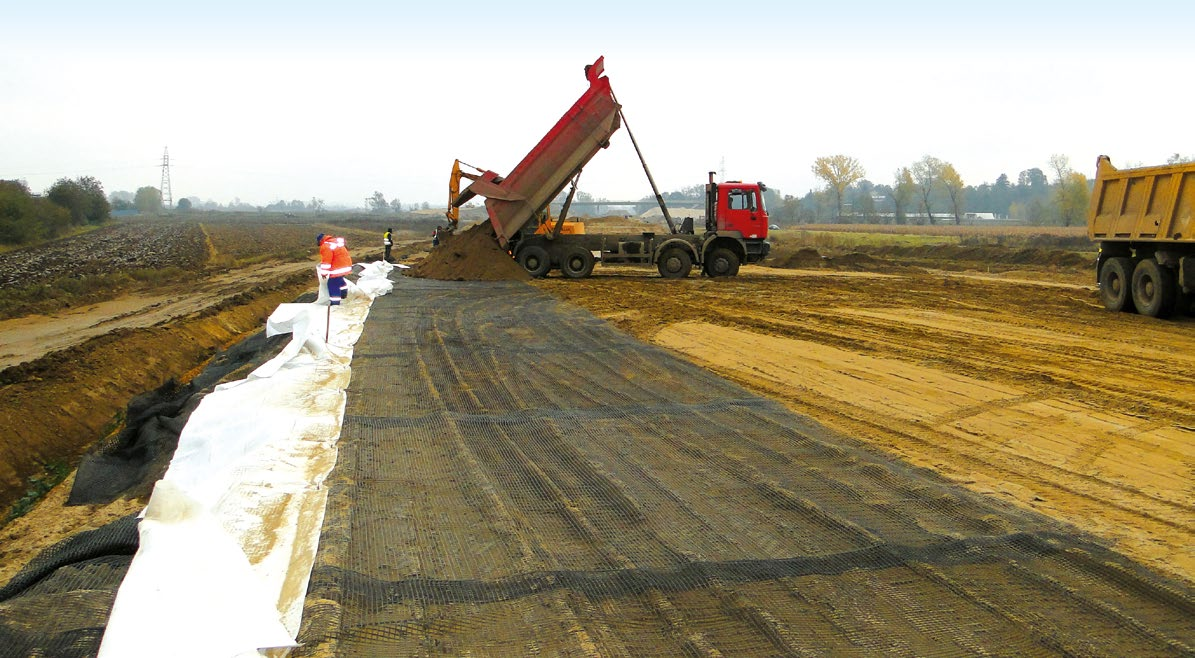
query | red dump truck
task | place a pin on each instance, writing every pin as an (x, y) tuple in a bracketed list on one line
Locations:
[(1144, 221), (735, 229)]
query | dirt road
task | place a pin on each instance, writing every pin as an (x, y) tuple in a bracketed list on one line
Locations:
[(33, 336), (1019, 386)]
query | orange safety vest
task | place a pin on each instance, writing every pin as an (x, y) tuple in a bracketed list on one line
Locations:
[(334, 258)]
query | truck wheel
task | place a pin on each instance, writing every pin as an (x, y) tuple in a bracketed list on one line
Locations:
[(675, 263), (1154, 289), (1116, 284), (577, 263), (722, 262), (535, 260)]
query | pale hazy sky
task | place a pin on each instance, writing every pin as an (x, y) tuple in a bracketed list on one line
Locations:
[(293, 100)]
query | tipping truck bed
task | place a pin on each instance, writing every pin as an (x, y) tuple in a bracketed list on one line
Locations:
[(585, 129), (1144, 220), (1143, 204)]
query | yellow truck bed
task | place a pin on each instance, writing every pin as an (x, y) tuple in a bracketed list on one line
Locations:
[(1143, 204)]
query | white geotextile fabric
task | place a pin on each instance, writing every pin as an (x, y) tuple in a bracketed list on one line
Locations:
[(230, 533)]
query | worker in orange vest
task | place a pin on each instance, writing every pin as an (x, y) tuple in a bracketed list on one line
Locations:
[(335, 263)]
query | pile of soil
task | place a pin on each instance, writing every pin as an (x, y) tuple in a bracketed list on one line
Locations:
[(473, 255), (803, 258), (854, 260)]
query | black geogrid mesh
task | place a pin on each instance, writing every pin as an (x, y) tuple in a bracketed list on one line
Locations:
[(518, 478), (58, 604)]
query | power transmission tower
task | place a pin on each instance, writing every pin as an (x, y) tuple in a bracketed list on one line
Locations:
[(167, 197)]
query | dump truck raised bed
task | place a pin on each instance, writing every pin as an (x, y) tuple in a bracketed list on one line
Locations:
[(1144, 221), (735, 228)]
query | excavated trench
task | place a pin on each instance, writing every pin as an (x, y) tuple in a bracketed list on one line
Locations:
[(58, 603)]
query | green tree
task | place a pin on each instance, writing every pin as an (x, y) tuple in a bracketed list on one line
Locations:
[(148, 199), (83, 198), (1032, 179), (772, 199), (1178, 158), (377, 202), (25, 218), (839, 172), (863, 202), (927, 173), (790, 208), (1001, 195), (953, 184), (184, 204), (1071, 197), (903, 189)]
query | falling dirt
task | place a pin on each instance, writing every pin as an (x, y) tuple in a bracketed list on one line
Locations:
[(472, 255)]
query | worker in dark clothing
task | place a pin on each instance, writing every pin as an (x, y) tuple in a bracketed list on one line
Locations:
[(436, 236), (387, 241)]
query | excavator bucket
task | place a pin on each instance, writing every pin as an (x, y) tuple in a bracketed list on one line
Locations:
[(585, 129)]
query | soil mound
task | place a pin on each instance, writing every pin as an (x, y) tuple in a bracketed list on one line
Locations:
[(988, 255), (473, 255), (854, 260), (802, 258)]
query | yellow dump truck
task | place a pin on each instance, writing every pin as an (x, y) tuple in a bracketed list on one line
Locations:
[(1144, 220)]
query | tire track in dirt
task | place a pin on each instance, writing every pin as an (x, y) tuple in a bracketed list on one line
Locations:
[(1093, 377), (1008, 398)]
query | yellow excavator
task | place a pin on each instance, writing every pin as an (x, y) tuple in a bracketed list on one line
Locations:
[(546, 223)]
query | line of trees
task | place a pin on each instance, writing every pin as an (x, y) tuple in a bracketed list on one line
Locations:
[(26, 217), (378, 204), (931, 190)]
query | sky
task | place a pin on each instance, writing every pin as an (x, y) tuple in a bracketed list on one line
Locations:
[(268, 101)]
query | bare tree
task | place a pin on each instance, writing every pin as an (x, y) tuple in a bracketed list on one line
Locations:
[(839, 172), (927, 173), (1061, 165)]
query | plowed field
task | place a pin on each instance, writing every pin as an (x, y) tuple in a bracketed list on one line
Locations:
[(1018, 385)]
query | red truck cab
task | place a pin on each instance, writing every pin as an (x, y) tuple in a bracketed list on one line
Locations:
[(740, 208)]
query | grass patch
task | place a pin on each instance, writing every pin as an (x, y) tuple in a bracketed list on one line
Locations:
[(53, 473), (838, 240)]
